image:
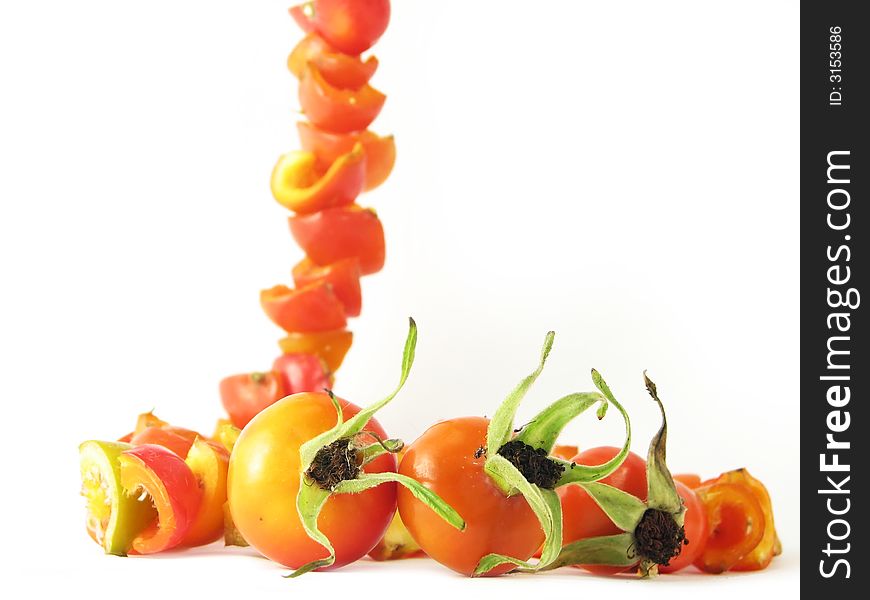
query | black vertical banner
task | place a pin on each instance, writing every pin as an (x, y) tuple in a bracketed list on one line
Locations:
[(835, 227)]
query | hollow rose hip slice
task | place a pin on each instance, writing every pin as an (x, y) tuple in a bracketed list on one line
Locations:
[(331, 346), (342, 275), (244, 396), (334, 109), (735, 521), (155, 473), (114, 518), (312, 308), (226, 434), (380, 151), (208, 461), (335, 234), (299, 185), (763, 553), (340, 70), (163, 437)]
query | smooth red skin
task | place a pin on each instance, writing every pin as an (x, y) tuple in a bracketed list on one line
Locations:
[(335, 234), (180, 483), (695, 527), (352, 26), (354, 523), (298, 14), (343, 276), (243, 398), (581, 517), (442, 459), (301, 373), (305, 310), (160, 436), (335, 109)]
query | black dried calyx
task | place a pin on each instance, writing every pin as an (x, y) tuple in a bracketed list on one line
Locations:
[(334, 463), (534, 463)]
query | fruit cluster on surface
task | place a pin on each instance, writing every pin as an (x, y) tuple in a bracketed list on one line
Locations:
[(314, 482)]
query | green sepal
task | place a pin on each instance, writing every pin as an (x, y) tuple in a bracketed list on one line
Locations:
[(367, 481), (379, 448), (311, 497), (309, 502), (614, 550), (501, 427), (354, 425), (661, 491), (621, 507), (544, 503), (575, 473), (543, 430)]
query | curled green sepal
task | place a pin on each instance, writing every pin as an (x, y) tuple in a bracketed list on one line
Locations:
[(645, 542), (661, 492), (311, 497), (544, 503), (309, 503), (575, 473), (543, 430), (380, 447), (623, 509), (369, 480), (614, 550), (501, 427), (354, 425)]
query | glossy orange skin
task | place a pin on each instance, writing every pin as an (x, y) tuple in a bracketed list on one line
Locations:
[(735, 520), (695, 525), (581, 517), (335, 234), (244, 396), (335, 109), (331, 346), (351, 26), (174, 492), (443, 460), (760, 556), (342, 275), (380, 151), (264, 480), (340, 70), (312, 308)]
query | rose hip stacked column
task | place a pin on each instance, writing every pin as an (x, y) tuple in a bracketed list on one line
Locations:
[(320, 185)]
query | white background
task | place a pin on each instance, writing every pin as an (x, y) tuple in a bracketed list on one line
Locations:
[(623, 173)]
